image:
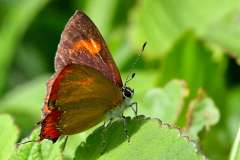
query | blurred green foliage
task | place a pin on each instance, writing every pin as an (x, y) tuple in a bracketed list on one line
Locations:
[(188, 76)]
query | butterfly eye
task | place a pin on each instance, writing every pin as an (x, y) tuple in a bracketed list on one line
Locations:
[(128, 92)]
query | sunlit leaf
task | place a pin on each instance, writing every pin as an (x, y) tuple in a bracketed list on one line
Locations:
[(149, 139), (8, 136), (44, 150)]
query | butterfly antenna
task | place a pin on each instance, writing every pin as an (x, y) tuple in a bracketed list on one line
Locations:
[(36, 125), (131, 75), (28, 141)]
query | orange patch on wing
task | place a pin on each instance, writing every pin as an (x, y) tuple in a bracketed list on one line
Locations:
[(92, 46), (86, 82)]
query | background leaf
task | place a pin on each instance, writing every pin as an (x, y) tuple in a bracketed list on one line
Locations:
[(189, 60), (25, 107), (168, 20), (233, 112), (202, 113), (165, 103), (14, 25), (104, 20)]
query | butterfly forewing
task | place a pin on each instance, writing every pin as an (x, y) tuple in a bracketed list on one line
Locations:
[(82, 43)]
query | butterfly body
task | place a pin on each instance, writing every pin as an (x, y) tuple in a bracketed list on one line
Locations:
[(87, 84)]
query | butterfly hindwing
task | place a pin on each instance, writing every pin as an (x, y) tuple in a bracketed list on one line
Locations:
[(78, 98)]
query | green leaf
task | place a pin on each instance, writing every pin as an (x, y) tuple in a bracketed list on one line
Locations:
[(223, 33), (192, 61), (149, 139), (25, 103), (235, 152), (165, 103), (72, 144), (8, 136), (44, 150), (15, 23), (103, 20), (74, 141), (142, 76), (162, 22), (232, 112), (202, 113)]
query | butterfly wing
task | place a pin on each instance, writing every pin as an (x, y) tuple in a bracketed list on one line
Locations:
[(78, 98), (82, 43)]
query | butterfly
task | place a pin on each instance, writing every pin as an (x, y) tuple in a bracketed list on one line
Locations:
[(86, 86)]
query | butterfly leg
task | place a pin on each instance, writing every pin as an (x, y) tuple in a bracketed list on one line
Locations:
[(64, 144), (38, 123), (106, 124), (134, 107), (125, 128)]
